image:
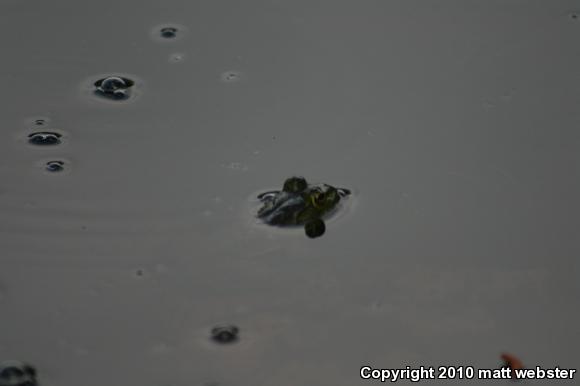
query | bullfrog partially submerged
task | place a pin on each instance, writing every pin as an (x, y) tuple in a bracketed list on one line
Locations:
[(299, 203)]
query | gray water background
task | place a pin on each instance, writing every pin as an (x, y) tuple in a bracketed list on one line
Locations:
[(454, 122)]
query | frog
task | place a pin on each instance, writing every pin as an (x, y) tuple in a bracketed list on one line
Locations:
[(301, 204)]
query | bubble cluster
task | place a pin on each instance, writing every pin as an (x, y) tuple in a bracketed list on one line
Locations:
[(16, 373), (44, 138), (114, 87), (225, 334)]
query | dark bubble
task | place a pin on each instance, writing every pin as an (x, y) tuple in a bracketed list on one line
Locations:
[(16, 373), (39, 122), (114, 87), (315, 228), (225, 334), (168, 32), (55, 166), (44, 138)]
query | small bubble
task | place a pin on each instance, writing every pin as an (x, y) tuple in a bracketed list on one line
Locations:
[(114, 87), (574, 15), (39, 122), (55, 166), (225, 334), (16, 373), (315, 228), (168, 32), (44, 138)]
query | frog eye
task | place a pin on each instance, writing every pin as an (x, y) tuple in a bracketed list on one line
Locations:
[(317, 199)]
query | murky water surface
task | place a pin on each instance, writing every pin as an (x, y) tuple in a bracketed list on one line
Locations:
[(126, 230)]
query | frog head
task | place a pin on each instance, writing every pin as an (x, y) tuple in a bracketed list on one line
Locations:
[(324, 198), (318, 201), (295, 185)]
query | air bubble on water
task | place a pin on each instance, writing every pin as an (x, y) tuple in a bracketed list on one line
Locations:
[(54, 166), (37, 121), (114, 87), (231, 76), (225, 334), (44, 138), (168, 32)]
